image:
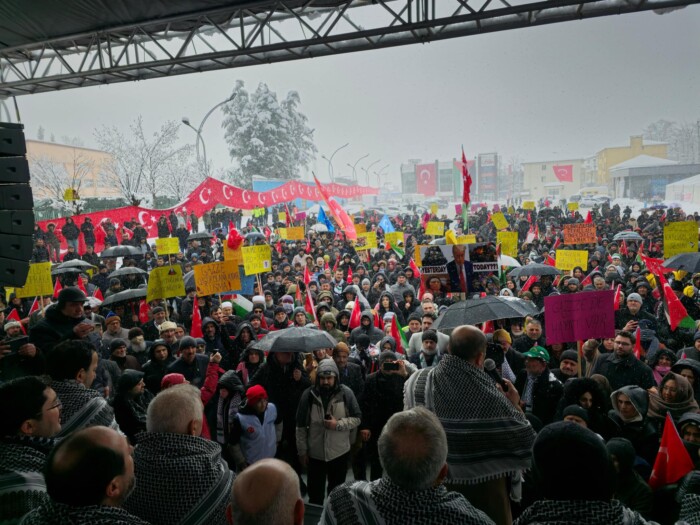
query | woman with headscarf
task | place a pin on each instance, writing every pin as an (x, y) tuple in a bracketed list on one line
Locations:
[(587, 393), (661, 363), (155, 369), (675, 397), (250, 363), (386, 304)]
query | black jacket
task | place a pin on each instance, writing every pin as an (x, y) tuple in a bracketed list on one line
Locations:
[(53, 329), (381, 398), (546, 394), (624, 372)]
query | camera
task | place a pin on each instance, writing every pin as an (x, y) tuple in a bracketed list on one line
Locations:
[(389, 367)]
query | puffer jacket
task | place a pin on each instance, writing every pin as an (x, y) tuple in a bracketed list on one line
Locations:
[(312, 437), (371, 331), (334, 332)]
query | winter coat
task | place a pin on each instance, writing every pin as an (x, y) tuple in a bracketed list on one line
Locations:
[(641, 433), (313, 438), (351, 377), (624, 372), (381, 398), (334, 332), (70, 231), (155, 371), (88, 233), (546, 393), (374, 333), (194, 373), (393, 308), (53, 329), (222, 343)]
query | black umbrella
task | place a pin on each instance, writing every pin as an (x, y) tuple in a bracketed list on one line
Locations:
[(690, 262), (127, 270), (295, 339), (62, 271), (189, 280), (125, 296), (477, 311), (121, 251), (77, 265), (199, 236), (534, 269), (254, 236), (627, 236)]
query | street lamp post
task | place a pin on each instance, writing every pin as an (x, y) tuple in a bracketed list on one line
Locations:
[(354, 173), (330, 161), (366, 170), (198, 131), (379, 174)]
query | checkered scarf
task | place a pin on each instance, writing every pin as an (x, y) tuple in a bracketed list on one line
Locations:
[(59, 514), (382, 502), (572, 512), (22, 486), (487, 437), (174, 472), (82, 407)]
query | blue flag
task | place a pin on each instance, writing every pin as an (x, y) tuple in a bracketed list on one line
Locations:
[(385, 224), (323, 219)]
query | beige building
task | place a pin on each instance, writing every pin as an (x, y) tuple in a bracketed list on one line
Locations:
[(57, 167), (540, 179), (609, 157)]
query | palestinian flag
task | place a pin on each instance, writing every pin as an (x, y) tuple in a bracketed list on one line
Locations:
[(398, 251), (241, 305)]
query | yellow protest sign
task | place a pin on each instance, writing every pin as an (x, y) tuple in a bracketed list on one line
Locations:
[(218, 277), (296, 233), (499, 221), (436, 228), (282, 216), (416, 254), (283, 233), (165, 282), (572, 206), (508, 242), (394, 238), (511, 209), (360, 228), (9, 290), (434, 209), (366, 241), (38, 281), (233, 255), (167, 245), (257, 259), (569, 259), (580, 233), (680, 237), (528, 205), (71, 194), (450, 237), (466, 239)]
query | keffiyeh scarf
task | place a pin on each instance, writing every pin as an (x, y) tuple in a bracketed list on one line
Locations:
[(382, 502), (82, 408), (487, 437), (22, 486), (59, 514), (548, 512)]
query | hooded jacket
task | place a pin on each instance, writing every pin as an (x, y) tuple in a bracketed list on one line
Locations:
[(640, 432), (334, 332), (313, 438), (155, 370), (393, 307), (693, 365), (53, 329), (371, 331)]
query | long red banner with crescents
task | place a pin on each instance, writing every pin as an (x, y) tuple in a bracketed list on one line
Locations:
[(207, 195)]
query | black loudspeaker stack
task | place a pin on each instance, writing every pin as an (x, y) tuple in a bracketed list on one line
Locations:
[(16, 207)]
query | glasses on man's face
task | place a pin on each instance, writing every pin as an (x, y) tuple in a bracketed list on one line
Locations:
[(57, 405)]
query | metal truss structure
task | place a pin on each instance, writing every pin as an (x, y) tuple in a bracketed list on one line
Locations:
[(262, 32)]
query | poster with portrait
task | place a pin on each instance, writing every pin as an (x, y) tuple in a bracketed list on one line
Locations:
[(457, 268)]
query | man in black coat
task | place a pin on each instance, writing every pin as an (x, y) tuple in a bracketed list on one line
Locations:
[(627, 319), (622, 368), (532, 337), (190, 364), (381, 398), (63, 321), (539, 390)]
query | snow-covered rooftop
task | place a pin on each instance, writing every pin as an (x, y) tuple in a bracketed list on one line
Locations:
[(643, 161), (690, 181)]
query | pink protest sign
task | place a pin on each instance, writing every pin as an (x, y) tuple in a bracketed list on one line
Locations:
[(579, 316)]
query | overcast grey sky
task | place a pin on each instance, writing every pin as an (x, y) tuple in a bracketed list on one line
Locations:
[(552, 92)]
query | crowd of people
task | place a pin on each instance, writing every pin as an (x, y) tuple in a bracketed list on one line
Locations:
[(166, 412)]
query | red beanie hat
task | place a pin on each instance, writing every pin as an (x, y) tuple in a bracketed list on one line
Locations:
[(255, 394), (172, 380)]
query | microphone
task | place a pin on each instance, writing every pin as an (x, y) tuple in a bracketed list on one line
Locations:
[(490, 369)]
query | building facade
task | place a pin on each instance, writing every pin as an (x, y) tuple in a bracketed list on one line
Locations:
[(552, 179), (609, 157), (647, 178)]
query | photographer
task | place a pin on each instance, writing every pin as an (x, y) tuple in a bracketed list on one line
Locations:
[(381, 398), (18, 357)]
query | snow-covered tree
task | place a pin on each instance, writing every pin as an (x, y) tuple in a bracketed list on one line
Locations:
[(52, 178), (141, 163), (683, 139), (266, 137)]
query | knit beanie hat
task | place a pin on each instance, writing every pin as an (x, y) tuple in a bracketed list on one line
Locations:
[(254, 394), (569, 355), (172, 380), (554, 461), (187, 342), (385, 356), (128, 380), (116, 343), (576, 410)]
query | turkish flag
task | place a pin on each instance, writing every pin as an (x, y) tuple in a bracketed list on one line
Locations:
[(196, 330), (564, 173), (426, 179), (355, 315), (673, 461), (14, 316)]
